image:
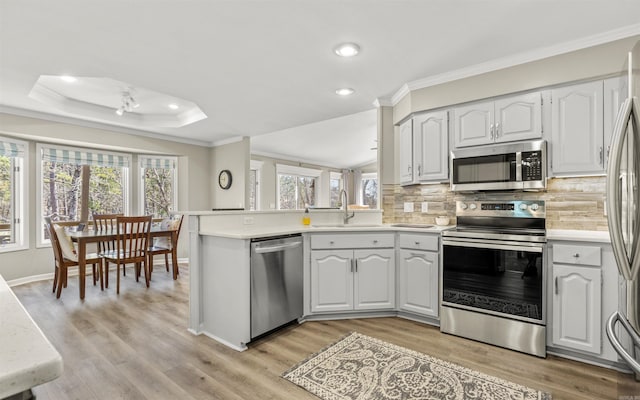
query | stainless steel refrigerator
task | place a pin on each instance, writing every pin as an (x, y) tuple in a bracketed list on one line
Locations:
[(623, 215)]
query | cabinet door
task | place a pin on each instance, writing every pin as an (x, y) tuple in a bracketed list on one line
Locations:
[(473, 125), (577, 312), (577, 131), (431, 145), (406, 152), (331, 280), (615, 93), (419, 282), (518, 118), (374, 279)]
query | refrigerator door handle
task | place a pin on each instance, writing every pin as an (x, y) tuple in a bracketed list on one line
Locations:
[(628, 267), (617, 345)]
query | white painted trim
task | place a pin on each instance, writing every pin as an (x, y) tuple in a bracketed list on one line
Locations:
[(226, 141), (516, 59), (305, 160), (256, 164), (382, 102), (299, 171), (98, 125)]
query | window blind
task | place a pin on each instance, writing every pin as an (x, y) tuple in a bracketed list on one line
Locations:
[(84, 157), (158, 162), (11, 149)]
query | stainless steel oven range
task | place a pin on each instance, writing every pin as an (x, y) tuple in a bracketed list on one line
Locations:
[(493, 274)]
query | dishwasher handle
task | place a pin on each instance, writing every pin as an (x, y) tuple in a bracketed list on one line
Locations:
[(274, 249)]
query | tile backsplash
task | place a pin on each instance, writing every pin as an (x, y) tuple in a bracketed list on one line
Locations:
[(572, 203)]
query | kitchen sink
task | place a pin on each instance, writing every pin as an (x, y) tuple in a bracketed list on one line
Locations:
[(422, 226)]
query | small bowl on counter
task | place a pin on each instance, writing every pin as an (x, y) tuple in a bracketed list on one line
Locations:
[(442, 220)]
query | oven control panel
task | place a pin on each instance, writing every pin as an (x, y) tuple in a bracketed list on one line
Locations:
[(511, 208)]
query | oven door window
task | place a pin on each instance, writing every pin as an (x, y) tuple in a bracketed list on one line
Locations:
[(501, 281), (495, 168)]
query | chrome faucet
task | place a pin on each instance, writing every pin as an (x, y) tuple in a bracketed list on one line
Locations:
[(345, 201)]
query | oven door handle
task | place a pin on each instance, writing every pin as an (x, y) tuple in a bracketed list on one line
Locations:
[(484, 245)]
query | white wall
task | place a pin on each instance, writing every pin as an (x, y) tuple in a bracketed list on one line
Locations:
[(193, 190), (235, 158)]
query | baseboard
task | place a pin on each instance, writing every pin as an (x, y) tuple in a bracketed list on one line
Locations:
[(74, 272)]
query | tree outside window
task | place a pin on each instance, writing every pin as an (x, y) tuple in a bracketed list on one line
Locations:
[(158, 186), (296, 192), (335, 186), (370, 190)]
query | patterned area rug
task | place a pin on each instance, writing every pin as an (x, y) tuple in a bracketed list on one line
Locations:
[(361, 367)]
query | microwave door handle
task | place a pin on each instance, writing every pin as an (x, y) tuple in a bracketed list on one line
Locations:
[(518, 166)]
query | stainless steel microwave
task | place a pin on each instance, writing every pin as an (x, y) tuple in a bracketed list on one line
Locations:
[(513, 166)]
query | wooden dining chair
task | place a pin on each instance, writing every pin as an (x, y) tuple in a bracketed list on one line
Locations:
[(166, 246), (132, 242), (101, 223), (65, 257)]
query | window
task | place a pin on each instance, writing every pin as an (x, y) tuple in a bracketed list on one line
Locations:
[(296, 187), (158, 191), (254, 184), (76, 183), (369, 185), (335, 186), (13, 200)]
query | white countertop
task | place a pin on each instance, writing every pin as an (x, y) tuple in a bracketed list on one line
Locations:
[(253, 232), (578, 236), (27, 358)]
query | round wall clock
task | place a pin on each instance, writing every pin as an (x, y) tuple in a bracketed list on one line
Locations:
[(224, 179)]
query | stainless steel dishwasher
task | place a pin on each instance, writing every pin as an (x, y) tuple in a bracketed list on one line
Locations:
[(276, 282)]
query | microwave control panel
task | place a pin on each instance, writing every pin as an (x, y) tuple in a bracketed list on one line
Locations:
[(532, 165)]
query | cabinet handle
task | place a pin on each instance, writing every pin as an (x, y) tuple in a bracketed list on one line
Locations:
[(409, 168), (352, 260), (375, 242), (356, 262), (417, 243), (576, 255), (491, 131), (419, 169), (556, 285), (601, 155), (331, 242), (497, 130)]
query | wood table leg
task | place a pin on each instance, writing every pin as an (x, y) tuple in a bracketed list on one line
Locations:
[(82, 265), (174, 254)]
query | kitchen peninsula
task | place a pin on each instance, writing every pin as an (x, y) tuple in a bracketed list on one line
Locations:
[(220, 265)]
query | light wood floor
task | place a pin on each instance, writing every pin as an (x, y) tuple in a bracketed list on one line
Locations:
[(136, 346)]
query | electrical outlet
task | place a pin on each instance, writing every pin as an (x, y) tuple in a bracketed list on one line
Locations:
[(248, 221), (425, 207), (408, 207)]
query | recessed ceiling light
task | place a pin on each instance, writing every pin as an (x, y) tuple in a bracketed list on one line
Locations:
[(347, 49), (344, 91), (68, 79), (173, 106)]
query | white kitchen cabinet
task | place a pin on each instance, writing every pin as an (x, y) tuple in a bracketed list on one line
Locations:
[(577, 129), (361, 278), (431, 147), (577, 307), (504, 120), (615, 93), (406, 152), (374, 279), (419, 265), (331, 280)]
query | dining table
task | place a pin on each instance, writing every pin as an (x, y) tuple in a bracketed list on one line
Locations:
[(86, 236)]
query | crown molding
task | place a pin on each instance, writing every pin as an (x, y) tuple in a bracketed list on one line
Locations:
[(516, 59), (97, 125), (382, 102), (226, 141), (282, 157)]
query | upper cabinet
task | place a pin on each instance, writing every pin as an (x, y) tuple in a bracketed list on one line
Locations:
[(431, 147), (582, 119), (406, 152), (424, 148), (504, 120)]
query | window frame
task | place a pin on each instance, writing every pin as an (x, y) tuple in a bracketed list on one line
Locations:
[(255, 165), (126, 184), (368, 176), (292, 170), (141, 191), (20, 197), (333, 176)]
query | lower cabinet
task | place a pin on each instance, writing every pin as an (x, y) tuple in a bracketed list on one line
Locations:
[(577, 312), (419, 282), (346, 280), (419, 265)]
